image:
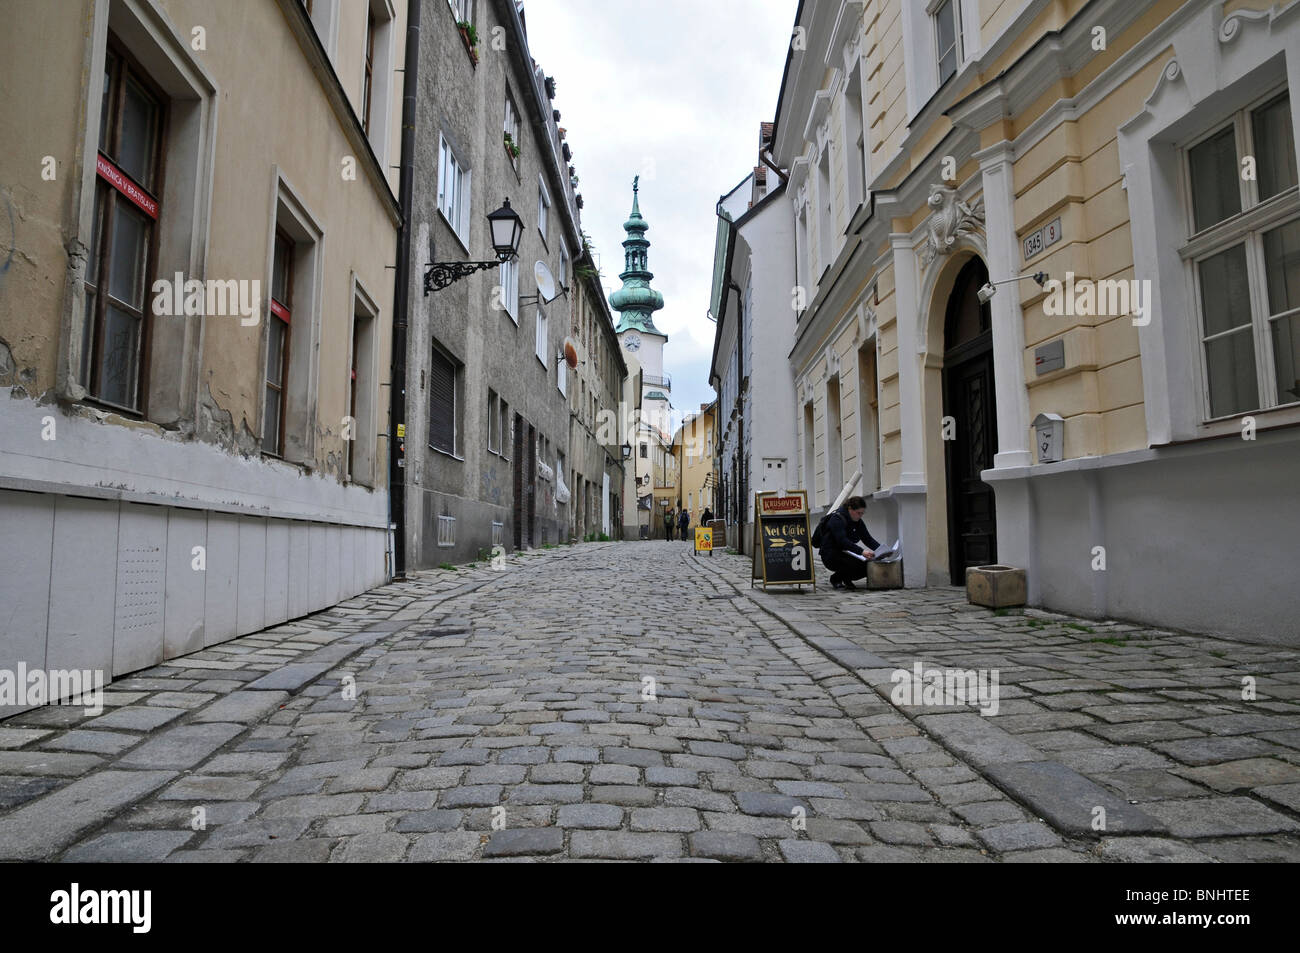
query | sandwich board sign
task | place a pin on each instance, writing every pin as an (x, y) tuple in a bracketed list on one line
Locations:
[(782, 540), (704, 540)]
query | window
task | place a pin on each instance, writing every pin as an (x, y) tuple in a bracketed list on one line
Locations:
[(442, 403), (119, 270), (856, 154), (460, 9), (543, 208), (946, 33), (564, 265), (562, 378), (277, 345), (361, 405), (368, 80), (825, 211), (1245, 258), (645, 451), (453, 191), (509, 274), (493, 422), (511, 133), (542, 338), (506, 434)]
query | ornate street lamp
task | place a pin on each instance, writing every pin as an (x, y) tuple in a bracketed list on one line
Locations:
[(507, 229), (627, 451)]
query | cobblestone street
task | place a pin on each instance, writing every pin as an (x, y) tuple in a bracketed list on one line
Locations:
[(629, 701)]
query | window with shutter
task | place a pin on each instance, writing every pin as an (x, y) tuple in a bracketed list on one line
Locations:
[(442, 403)]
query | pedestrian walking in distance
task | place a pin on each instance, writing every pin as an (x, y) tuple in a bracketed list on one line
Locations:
[(846, 534), (706, 517), (684, 522), (668, 524)]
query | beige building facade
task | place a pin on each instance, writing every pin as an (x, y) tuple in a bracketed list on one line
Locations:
[(194, 319), (1125, 429), (693, 451)]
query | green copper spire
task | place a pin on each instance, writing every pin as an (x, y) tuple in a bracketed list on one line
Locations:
[(636, 302)]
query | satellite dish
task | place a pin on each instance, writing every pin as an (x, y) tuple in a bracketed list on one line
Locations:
[(571, 354), (545, 282)]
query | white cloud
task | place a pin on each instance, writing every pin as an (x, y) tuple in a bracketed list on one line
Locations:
[(683, 84)]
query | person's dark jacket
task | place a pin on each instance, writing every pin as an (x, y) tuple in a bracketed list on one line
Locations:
[(683, 521), (842, 532), (707, 517)]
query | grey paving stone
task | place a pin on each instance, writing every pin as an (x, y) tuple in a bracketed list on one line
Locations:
[(181, 747), (623, 795), (16, 791), (207, 788), (426, 821), (616, 774), (545, 794), (592, 816), (557, 773), (311, 851), (768, 805), (138, 717), (577, 754), (473, 795), (42, 827), (47, 763), (639, 757), (256, 832), (1284, 795), (242, 707), (256, 763), (522, 841), (1232, 776), (401, 801), (93, 742), (291, 678), (1147, 850), (622, 845), (1068, 800), (697, 798), (382, 848), (128, 847), (313, 805), (675, 819), (436, 848), (808, 852), (901, 832), (496, 774), (725, 845), (1220, 817), (977, 740), (1009, 837), (17, 737), (524, 755)]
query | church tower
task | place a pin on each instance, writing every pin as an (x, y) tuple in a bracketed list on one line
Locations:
[(636, 302)]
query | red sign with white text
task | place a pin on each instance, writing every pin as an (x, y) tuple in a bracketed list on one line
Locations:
[(122, 182)]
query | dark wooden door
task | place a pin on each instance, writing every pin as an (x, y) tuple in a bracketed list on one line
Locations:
[(530, 491), (968, 398), (517, 466)]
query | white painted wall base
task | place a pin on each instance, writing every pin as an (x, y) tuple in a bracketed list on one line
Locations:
[(100, 530), (102, 584), (1201, 537)]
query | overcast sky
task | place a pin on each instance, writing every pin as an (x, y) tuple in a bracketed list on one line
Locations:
[(672, 90)]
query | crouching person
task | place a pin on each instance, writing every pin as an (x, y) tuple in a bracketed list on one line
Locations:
[(846, 534)]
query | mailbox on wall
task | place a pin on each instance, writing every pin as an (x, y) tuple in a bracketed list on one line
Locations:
[(1049, 430)]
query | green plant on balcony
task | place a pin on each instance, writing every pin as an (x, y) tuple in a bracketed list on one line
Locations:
[(512, 147)]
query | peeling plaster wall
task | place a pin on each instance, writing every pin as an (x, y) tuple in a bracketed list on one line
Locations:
[(104, 513)]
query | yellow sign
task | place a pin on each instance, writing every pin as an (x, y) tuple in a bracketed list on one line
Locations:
[(401, 430), (703, 539)]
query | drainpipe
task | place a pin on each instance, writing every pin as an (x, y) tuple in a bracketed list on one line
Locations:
[(402, 292)]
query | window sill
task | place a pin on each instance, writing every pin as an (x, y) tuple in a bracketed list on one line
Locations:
[(444, 453), (1286, 415)]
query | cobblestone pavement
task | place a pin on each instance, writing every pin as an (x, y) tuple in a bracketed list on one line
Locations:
[(629, 701)]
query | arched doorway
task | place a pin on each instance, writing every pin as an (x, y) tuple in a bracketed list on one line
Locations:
[(969, 445)]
